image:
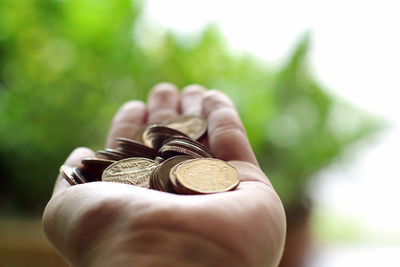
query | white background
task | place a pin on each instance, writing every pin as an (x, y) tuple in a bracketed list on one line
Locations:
[(355, 53)]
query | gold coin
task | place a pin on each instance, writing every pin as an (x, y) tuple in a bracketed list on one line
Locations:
[(206, 175), (192, 126), (134, 171), (162, 178), (172, 178), (155, 135)]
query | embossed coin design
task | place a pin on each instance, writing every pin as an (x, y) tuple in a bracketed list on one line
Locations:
[(206, 175), (192, 126), (134, 171), (168, 151)]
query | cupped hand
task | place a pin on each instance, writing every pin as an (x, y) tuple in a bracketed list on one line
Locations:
[(111, 224)]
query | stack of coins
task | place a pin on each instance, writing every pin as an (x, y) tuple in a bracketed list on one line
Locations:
[(166, 157)]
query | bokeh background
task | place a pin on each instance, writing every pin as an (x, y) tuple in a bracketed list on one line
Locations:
[(315, 82)]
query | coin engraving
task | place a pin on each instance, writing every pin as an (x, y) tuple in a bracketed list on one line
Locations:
[(207, 176), (134, 171), (166, 157), (192, 126)]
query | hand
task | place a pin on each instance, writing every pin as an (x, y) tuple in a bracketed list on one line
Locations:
[(111, 224)]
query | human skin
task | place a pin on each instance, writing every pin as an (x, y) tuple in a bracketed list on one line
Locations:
[(110, 224)]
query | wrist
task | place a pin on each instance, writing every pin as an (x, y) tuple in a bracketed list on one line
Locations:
[(158, 247)]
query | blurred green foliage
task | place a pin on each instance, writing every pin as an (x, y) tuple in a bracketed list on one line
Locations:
[(66, 66)]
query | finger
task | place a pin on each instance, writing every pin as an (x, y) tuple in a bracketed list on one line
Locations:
[(73, 160), (163, 103), (226, 134), (192, 97), (251, 173), (128, 119)]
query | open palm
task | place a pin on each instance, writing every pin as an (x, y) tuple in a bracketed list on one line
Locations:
[(110, 224)]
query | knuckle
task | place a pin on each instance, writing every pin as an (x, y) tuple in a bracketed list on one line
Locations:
[(193, 89), (130, 111), (226, 119), (163, 95), (163, 114), (229, 134), (123, 129), (132, 105), (216, 99), (164, 88)]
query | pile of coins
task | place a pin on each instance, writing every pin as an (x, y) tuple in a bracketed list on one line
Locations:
[(166, 157)]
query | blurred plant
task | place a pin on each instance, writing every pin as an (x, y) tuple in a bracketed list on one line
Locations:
[(66, 66)]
